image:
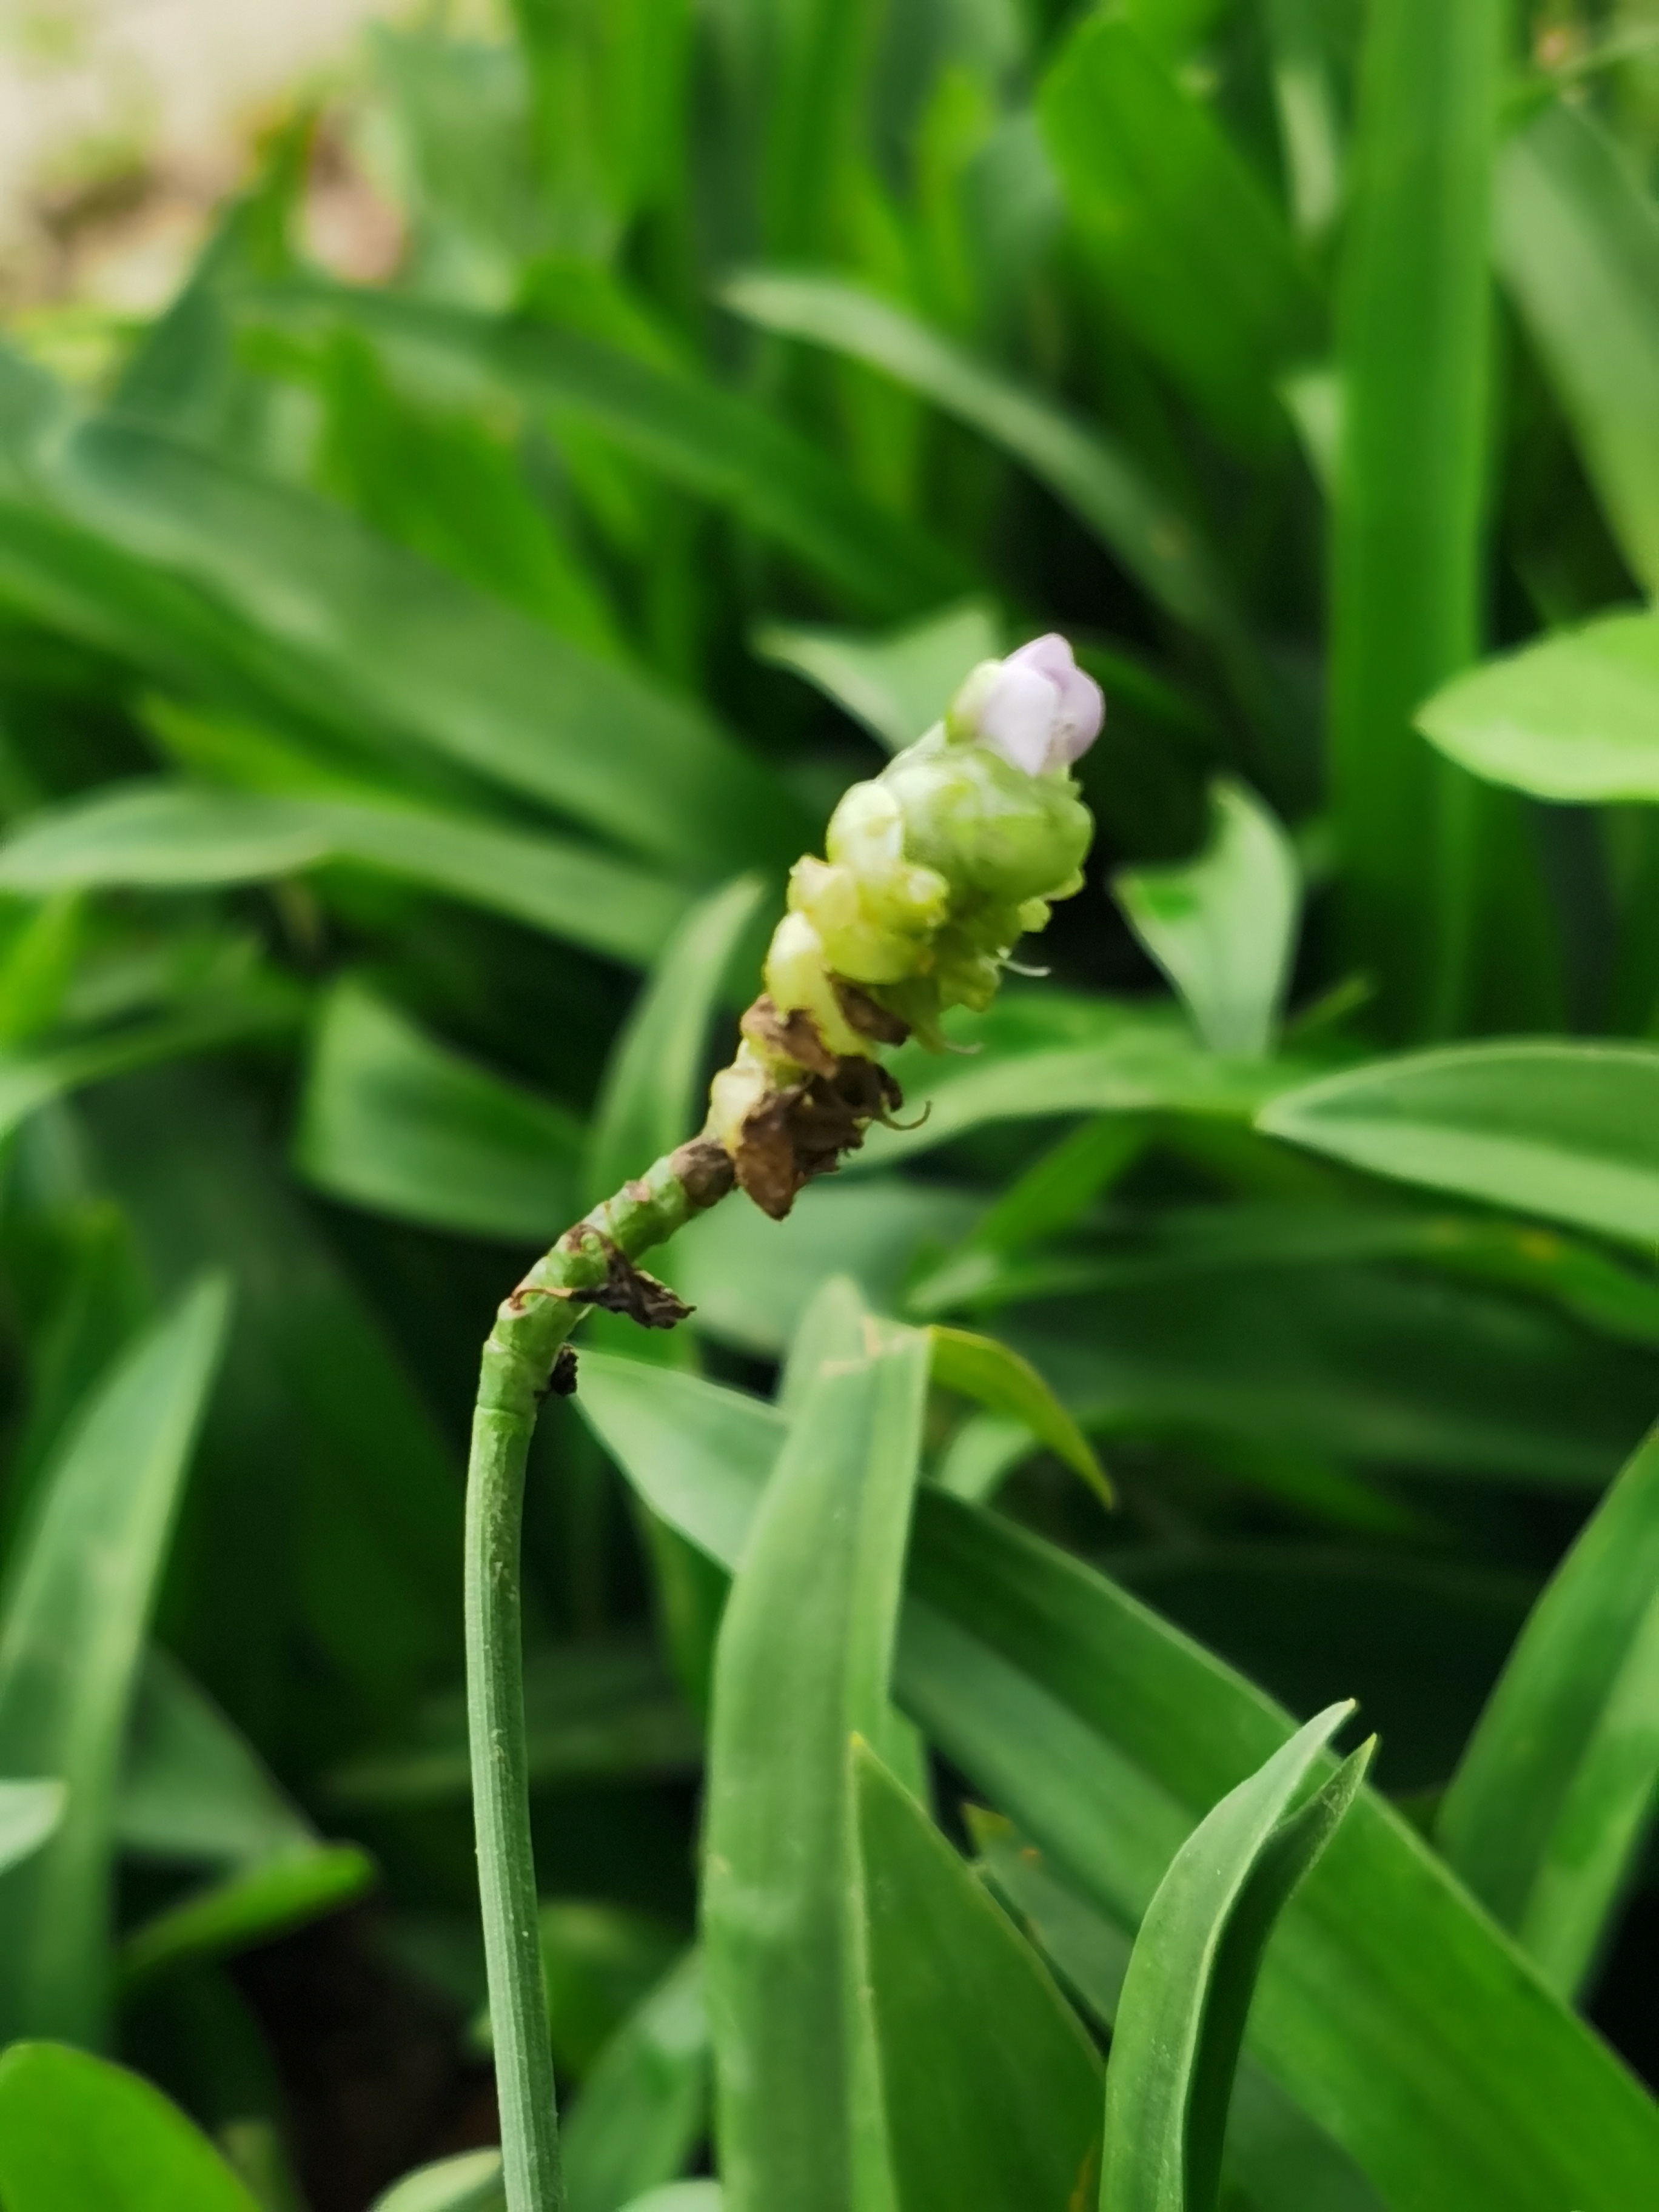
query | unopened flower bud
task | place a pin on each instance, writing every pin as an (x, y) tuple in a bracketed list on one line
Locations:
[(932, 871), (1037, 708)]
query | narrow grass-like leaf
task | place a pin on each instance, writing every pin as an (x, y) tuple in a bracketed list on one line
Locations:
[(1306, 98), (255, 1905), (657, 1066), (895, 684), (1447, 2072), (31, 1079), (468, 2182), (1413, 343), (1549, 1805), (1193, 1972), (420, 656), (79, 1596), (1101, 486), (1578, 243), (1573, 717), (993, 1376), (1052, 1053), (78, 2135), (175, 837), (715, 444), (192, 1787), (394, 1121), (1567, 1131), (29, 1812), (802, 1665), (1191, 253), (644, 2107), (752, 1280), (1223, 927), (991, 2087), (1281, 2161), (593, 1713), (680, 2196)]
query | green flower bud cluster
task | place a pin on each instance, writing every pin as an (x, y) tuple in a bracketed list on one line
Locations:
[(931, 873)]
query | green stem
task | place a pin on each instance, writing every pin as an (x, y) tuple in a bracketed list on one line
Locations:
[(587, 1264)]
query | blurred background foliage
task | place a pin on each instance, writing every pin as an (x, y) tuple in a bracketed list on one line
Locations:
[(424, 645)]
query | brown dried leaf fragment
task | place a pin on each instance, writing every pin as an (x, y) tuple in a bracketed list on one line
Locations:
[(801, 1129), (867, 1015), (792, 1037), (704, 1169), (629, 1290)]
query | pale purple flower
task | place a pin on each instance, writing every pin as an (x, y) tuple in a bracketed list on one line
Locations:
[(1037, 708)]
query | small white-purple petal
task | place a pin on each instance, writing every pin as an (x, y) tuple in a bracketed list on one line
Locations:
[(1037, 708), (1082, 706), (1018, 717)]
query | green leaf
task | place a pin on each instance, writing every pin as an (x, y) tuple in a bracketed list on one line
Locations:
[(680, 2196), (1037, 1055), (468, 2182), (1444, 2070), (1192, 1973), (79, 1592), (991, 2088), (650, 1095), (802, 1664), (174, 838), (32, 1079), (1570, 1132), (78, 2135), (1549, 1806), (698, 1454), (29, 1812), (593, 1713), (752, 1280), (1574, 717), (400, 647), (1398, 2017), (1578, 245), (993, 1376), (643, 2109), (1321, 1362), (1279, 2160), (1374, 1366), (393, 1120), (897, 684), (1190, 251), (192, 1787), (714, 444), (255, 1905), (1223, 927), (341, 1521), (1307, 99), (1408, 500), (599, 1961), (1101, 486)]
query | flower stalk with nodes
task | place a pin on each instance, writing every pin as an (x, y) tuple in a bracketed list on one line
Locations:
[(932, 872)]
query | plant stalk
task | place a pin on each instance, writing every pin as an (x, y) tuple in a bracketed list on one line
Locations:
[(591, 1264)]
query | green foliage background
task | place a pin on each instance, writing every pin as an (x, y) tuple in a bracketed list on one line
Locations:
[(410, 698)]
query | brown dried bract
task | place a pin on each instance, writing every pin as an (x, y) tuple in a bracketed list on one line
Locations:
[(629, 1290), (793, 1037), (801, 1129), (562, 1381), (704, 1170), (868, 1015)]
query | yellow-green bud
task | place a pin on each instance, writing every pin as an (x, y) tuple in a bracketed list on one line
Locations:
[(932, 871)]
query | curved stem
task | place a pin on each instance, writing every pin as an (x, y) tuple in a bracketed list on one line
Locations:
[(590, 1264)]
